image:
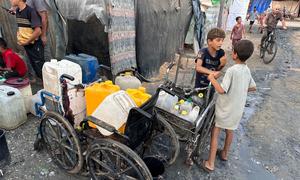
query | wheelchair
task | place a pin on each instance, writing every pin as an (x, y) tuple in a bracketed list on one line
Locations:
[(147, 137)]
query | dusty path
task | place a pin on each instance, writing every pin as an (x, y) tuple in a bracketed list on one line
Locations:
[(266, 146)]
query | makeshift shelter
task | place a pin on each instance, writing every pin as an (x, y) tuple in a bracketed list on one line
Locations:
[(238, 8), (121, 33)]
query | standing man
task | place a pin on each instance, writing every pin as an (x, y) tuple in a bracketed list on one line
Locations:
[(252, 16), (41, 7), (28, 35)]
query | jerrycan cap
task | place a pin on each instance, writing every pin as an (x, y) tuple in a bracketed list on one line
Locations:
[(10, 93)]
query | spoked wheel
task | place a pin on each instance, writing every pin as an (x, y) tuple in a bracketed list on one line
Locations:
[(163, 142), (270, 52), (109, 159), (62, 142), (205, 131), (262, 51)]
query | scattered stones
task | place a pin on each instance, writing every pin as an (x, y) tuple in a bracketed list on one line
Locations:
[(52, 173)]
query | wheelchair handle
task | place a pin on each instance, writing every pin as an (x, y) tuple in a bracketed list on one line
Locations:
[(66, 76), (101, 66)]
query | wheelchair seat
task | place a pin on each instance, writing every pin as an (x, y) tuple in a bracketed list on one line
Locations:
[(138, 127)]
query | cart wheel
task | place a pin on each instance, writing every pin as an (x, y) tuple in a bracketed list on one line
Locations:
[(61, 142), (109, 159), (163, 142), (205, 131)]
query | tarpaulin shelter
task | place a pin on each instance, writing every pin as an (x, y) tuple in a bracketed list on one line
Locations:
[(121, 33), (237, 8), (261, 5)]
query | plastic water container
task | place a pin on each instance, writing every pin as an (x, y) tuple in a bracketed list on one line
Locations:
[(13, 112), (127, 81), (114, 110), (54, 69), (89, 65), (166, 101), (36, 98), (186, 107), (96, 93), (139, 96), (192, 116), (24, 87), (77, 104)]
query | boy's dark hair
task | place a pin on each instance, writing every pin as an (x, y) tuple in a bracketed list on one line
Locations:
[(215, 33), (3, 43), (237, 18), (244, 49)]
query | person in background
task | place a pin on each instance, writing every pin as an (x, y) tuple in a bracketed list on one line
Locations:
[(252, 16), (13, 65), (28, 35), (238, 31), (261, 22), (231, 100), (271, 21)]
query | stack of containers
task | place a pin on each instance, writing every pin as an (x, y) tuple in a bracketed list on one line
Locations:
[(51, 73), (89, 65)]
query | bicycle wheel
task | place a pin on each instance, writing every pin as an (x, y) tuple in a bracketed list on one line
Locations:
[(270, 52)]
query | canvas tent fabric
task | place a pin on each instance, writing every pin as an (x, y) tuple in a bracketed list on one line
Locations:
[(161, 30)]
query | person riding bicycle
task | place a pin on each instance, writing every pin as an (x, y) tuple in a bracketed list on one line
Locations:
[(271, 21)]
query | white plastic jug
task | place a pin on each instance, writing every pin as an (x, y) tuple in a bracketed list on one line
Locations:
[(77, 104), (193, 114), (114, 110), (13, 112), (128, 81), (36, 98), (54, 69), (166, 101)]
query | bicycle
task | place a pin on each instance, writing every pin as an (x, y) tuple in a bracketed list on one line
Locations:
[(269, 48)]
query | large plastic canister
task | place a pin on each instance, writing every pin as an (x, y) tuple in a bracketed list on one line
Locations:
[(166, 101), (114, 110), (13, 112), (36, 98), (54, 69), (139, 96), (96, 93), (24, 86), (89, 65), (77, 104), (127, 81)]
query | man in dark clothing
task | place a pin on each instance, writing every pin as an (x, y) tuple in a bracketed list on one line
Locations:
[(13, 65), (271, 21), (28, 35)]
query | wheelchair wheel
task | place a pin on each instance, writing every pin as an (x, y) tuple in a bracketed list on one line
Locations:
[(109, 159), (61, 142), (205, 131), (163, 142)]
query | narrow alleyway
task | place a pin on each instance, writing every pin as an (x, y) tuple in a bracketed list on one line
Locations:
[(266, 146)]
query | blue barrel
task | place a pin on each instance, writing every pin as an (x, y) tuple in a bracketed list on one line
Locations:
[(4, 152), (89, 65)]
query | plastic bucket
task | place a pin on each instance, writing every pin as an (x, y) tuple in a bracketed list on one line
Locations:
[(155, 166), (4, 152)]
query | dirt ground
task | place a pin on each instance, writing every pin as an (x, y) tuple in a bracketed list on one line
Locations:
[(266, 145)]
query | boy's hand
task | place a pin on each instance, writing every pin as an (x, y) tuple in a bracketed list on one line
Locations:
[(211, 76), (216, 74)]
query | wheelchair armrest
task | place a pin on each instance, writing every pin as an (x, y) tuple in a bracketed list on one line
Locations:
[(101, 123)]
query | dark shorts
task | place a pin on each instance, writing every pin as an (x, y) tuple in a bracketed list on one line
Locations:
[(35, 53), (251, 22)]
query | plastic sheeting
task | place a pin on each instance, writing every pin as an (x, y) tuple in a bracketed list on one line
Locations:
[(261, 5), (82, 10), (161, 30)]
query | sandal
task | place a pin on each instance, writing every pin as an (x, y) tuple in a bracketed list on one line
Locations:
[(219, 154), (206, 169)]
